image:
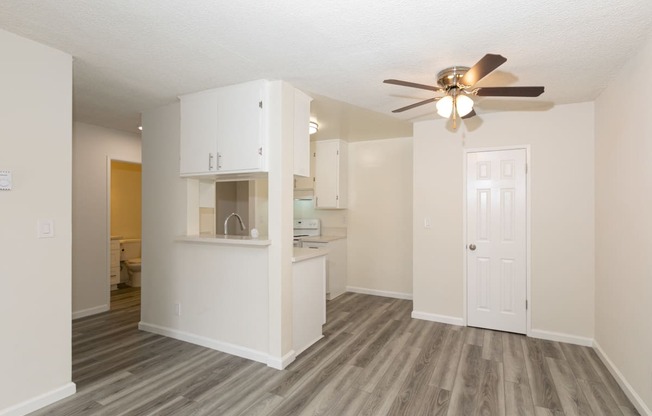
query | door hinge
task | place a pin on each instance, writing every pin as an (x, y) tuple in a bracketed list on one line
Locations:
[(338, 152), (260, 151), (337, 197), (260, 104), (526, 304), (526, 168)]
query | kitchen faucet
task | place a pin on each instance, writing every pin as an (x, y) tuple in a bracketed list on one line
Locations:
[(226, 222)]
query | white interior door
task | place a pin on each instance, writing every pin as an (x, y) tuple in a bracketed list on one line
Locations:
[(497, 240)]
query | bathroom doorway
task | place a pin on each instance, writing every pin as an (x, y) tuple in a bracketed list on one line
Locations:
[(125, 225)]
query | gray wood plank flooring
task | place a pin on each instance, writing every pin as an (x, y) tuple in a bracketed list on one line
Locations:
[(374, 360)]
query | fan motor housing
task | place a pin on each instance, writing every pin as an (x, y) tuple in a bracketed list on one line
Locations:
[(451, 77)]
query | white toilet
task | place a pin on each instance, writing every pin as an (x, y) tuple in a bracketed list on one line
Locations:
[(130, 258)]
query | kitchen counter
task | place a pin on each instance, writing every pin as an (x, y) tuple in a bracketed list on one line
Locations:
[(301, 254), (232, 240), (322, 238)]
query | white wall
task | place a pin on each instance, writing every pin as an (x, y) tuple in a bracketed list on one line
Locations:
[(623, 205), (36, 142), (91, 147), (562, 198), (164, 214), (380, 216)]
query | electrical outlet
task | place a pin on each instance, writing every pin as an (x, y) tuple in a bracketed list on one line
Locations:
[(177, 309)]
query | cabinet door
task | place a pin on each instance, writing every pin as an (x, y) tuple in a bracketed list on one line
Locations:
[(326, 174), (198, 152), (301, 134), (240, 127), (301, 182)]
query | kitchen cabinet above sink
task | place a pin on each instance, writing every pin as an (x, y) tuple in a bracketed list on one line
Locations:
[(226, 130)]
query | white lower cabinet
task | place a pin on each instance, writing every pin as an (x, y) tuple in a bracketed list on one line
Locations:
[(308, 303), (335, 265), (114, 277)]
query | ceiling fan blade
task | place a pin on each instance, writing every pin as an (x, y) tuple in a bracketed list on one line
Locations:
[(471, 114), (510, 91), (429, 100), (482, 68), (411, 84)]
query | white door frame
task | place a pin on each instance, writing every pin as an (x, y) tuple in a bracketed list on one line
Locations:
[(528, 238)]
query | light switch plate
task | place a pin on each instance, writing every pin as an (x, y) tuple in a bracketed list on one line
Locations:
[(5, 180), (45, 228)]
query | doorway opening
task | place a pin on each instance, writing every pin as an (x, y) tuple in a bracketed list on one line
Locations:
[(124, 226)]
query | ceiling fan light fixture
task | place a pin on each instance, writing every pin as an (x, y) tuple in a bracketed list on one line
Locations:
[(445, 106), (464, 105)]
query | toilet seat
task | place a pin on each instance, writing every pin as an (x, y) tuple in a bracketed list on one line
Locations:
[(133, 264)]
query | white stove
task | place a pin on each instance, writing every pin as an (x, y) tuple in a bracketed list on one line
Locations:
[(306, 228)]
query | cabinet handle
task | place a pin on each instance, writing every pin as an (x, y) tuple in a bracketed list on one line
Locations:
[(210, 161)]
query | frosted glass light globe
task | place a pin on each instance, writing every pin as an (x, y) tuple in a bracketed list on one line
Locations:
[(464, 105), (445, 106)]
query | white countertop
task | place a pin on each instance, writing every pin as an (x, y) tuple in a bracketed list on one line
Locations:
[(322, 238), (301, 254), (232, 240)]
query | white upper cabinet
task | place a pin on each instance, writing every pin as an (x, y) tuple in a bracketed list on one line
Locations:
[(199, 133), (301, 135), (227, 130), (224, 130), (331, 174), (303, 183), (241, 128)]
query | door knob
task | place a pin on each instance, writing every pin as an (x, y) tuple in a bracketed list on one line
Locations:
[(472, 247)]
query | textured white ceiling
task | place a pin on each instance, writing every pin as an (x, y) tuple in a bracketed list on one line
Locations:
[(132, 55)]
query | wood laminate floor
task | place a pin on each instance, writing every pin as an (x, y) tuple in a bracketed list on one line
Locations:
[(374, 360)]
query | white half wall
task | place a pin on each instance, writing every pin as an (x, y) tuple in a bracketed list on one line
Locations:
[(380, 216), (623, 205), (36, 143), (207, 281), (562, 206), (92, 145)]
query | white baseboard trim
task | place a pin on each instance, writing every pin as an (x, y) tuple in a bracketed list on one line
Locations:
[(244, 352), (40, 401), (444, 319), (90, 311), (384, 293), (297, 352), (281, 363), (631, 394), (560, 337)]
